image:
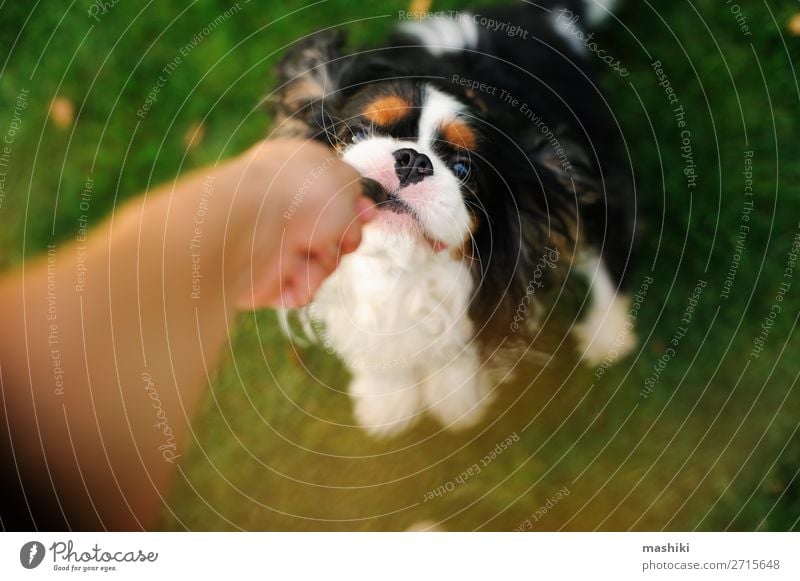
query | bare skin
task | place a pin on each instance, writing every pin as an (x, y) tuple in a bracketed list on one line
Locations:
[(100, 375)]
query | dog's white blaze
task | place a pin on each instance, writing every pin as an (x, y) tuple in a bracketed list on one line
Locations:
[(438, 108), (440, 34)]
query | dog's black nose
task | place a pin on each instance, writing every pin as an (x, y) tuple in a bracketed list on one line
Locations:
[(411, 166)]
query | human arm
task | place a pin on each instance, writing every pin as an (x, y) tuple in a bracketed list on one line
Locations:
[(101, 371)]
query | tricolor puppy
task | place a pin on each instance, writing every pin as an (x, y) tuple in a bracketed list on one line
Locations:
[(495, 160)]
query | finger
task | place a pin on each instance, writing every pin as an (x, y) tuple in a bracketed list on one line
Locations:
[(259, 294), (289, 297), (313, 276), (351, 238), (262, 289), (316, 275), (266, 278), (327, 258), (366, 210)]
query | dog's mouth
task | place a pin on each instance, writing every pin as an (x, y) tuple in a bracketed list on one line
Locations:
[(391, 202)]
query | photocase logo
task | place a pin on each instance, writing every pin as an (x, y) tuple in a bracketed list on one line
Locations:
[(31, 554)]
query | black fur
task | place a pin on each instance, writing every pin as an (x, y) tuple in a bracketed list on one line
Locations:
[(523, 196)]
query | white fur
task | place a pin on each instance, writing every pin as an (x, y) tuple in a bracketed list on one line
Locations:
[(597, 11), (396, 311), (606, 331), (439, 107), (440, 34)]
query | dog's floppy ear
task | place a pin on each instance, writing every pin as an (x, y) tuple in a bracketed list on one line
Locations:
[(316, 77), (308, 93), (527, 239)]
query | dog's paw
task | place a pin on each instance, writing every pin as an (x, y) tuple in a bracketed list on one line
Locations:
[(606, 333), (456, 395), (384, 414), (459, 413)]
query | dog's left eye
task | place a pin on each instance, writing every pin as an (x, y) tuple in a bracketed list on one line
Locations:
[(461, 168), (358, 134)]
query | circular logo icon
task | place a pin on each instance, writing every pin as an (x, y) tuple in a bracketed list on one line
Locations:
[(31, 554)]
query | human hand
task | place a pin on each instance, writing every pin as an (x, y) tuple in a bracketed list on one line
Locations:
[(311, 214)]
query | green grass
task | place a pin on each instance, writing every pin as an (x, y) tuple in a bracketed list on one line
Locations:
[(715, 446)]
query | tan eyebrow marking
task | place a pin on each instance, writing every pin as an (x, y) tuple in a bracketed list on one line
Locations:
[(459, 134), (387, 110)]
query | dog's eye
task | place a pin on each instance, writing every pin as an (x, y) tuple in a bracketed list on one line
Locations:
[(359, 134), (461, 168)]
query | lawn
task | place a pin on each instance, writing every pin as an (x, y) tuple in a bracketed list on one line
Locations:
[(697, 430)]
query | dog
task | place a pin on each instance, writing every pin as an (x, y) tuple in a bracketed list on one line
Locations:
[(496, 164)]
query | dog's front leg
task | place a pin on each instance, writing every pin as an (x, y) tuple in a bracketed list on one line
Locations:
[(458, 392), (386, 401)]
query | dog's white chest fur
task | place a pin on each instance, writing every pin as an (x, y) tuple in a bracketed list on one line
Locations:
[(396, 302), (396, 312)]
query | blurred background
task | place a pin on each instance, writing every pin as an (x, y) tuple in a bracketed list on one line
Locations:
[(703, 437)]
